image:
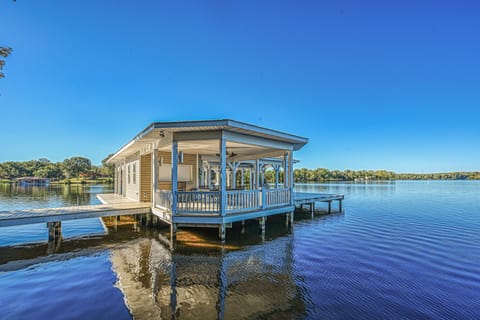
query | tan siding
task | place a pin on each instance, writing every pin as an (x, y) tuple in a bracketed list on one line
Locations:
[(146, 178)]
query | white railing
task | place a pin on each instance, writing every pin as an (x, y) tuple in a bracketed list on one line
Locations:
[(276, 197), (208, 202), (163, 199), (243, 200), (189, 202)]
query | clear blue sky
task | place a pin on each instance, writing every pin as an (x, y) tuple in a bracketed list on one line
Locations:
[(374, 84)]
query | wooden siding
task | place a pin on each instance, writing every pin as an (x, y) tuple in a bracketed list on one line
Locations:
[(146, 178)]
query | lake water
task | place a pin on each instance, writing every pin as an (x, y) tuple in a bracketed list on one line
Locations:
[(404, 250)]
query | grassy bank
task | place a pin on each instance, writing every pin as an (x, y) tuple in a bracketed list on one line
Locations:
[(83, 181)]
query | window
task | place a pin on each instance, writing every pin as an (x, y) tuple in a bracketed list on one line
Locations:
[(128, 174), (134, 173)]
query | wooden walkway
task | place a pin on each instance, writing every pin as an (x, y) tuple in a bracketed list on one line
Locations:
[(303, 198), (113, 206)]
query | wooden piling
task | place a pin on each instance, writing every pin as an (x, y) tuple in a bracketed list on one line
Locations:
[(221, 232), (54, 230)]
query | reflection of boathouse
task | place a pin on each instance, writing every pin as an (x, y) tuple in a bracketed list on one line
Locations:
[(255, 282)]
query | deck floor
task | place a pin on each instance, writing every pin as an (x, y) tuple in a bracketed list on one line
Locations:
[(304, 197), (112, 206)]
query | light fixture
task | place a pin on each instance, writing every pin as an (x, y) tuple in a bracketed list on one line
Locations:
[(162, 134)]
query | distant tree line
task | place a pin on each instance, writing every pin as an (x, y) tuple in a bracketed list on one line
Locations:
[(322, 174), (75, 167)]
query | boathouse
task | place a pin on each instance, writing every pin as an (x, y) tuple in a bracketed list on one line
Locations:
[(208, 173)]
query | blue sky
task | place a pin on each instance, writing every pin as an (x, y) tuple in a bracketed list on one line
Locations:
[(374, 84)]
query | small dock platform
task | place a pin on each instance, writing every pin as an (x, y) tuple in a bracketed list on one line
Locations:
[(303, 198)]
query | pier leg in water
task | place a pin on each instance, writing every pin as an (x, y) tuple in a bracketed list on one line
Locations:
[(287, 220), (329, 206), (340, 209), (221, 232), (173, 231), (312, 209), (54, 236), (291, 218), (54, 230), (262, 226)]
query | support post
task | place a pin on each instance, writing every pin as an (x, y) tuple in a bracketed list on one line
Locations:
[(340, 209), (250, 181), (292, 214), (223, 175), (290, 175), (312, 208), (277, 169), (243, 227), (257, 174), (242, 181), (262, 226), (174, 176), (54, 230), (287, 219), (173, 231), (329, 206), (221, 232)]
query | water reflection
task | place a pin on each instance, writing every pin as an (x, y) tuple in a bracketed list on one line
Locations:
[(199, 279), (255, 282), (14, 196)]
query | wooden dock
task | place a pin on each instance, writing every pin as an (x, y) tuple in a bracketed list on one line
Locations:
[(112, 206), (303, 198)]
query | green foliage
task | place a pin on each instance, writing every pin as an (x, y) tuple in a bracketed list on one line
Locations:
[(107, 169), (321, 174), (71, 168), (75, 166), (4, 52)]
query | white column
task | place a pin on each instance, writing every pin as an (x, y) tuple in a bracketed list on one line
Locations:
[(250, 178), (223, 174), (285, 170), (257, 174), (276, 168), (290, 174), (174, 175)]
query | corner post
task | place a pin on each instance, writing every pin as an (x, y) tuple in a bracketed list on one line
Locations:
[(174, 175), (223, 176), (290, 175), (257, 174)]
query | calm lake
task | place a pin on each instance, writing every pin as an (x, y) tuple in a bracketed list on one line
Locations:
[(403, 250)]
